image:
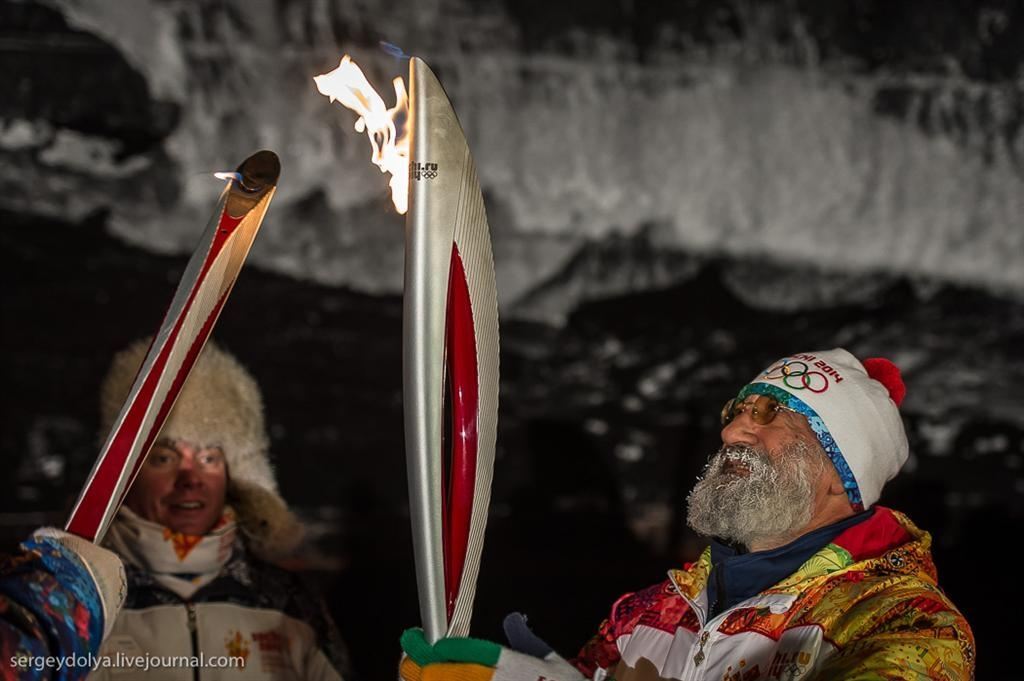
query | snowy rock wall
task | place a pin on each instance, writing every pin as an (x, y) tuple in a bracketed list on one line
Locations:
[(734, 145)]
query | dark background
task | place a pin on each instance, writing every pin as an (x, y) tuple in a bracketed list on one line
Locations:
[(638, 292)]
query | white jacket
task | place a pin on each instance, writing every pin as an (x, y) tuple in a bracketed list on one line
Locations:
[(254, 621)]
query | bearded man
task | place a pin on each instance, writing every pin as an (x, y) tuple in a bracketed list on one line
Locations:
[(805, 577)]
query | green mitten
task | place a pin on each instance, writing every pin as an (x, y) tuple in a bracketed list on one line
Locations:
[(473, 659)]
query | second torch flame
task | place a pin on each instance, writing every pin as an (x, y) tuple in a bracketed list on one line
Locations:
[(386, 128)]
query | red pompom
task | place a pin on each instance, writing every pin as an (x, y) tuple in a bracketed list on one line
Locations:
[(888, 374)]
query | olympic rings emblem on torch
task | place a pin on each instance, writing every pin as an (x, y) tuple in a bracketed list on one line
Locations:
[(798, 376)]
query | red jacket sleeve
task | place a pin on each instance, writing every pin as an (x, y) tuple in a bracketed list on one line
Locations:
[(658, 606)]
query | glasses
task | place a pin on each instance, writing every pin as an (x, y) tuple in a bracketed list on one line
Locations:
[(762, 409)]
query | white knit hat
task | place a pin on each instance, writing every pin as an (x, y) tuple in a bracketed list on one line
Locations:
[(219, 406), (853, 409)]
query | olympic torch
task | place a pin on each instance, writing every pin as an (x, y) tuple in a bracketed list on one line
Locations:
[(450, 349), (188, 322), (450, 337)]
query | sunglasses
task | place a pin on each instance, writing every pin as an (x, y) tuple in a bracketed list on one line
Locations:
[(762, 409)]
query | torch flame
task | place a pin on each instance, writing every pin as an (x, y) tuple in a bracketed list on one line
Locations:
[(390, 141)]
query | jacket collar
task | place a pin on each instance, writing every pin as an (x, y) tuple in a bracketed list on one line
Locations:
[(886, 542), (737, 576)]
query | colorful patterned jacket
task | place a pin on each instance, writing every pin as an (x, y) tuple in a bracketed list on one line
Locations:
[(866, 606), (50, 613)]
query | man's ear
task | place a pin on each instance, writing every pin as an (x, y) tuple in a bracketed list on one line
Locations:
[(835, 486), (835, 483)]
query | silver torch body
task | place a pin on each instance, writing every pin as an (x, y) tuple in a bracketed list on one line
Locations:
[(450, 359)]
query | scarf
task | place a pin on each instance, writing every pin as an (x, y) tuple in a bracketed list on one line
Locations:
[(181, 563)]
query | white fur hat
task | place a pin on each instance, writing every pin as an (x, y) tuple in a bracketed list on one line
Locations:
[(219, 406), (852, 408)]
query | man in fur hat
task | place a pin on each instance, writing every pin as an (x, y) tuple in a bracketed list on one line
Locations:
[(197, 531), (806, 577)]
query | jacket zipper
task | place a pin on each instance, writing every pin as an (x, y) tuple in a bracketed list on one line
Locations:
[(713, 610), (699, 657), (706, 626), (190, 609), (705, 635)]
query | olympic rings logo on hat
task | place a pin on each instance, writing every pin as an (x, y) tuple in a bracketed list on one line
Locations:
[(798, 376)]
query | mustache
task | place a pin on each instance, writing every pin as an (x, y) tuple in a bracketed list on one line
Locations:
[(754, 458)]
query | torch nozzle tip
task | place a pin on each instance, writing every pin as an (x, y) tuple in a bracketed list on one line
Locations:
[(259, 171)]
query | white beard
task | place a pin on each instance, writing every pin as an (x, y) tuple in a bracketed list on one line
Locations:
[(770, 504)]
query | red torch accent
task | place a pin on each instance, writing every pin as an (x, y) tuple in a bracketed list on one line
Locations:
[(176, 386), (85, 522), (460, 357)]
